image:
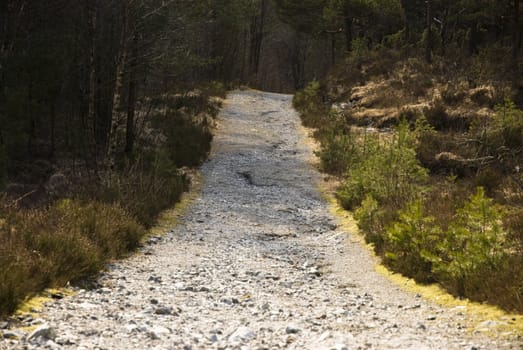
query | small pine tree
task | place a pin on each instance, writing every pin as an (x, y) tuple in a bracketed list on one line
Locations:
[(388, 171), (411, 241), (474, 244)]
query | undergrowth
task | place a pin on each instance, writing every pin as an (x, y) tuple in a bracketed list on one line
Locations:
[(65, 243), (438, 197), (105, 217)]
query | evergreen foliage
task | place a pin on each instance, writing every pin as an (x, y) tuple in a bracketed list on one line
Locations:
[(474, 245), (388, 171), (411, 240)]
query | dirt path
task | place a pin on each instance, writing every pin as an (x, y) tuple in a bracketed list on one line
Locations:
[(257, 263)]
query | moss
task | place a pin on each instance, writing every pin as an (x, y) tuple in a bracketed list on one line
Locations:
[(478, 313)]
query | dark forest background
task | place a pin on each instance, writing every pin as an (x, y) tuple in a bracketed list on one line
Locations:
[(73, 74)]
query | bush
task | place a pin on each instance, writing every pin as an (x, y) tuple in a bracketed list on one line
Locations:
[(443, 228), (68, 242), (19, 273), (145, 188), (213, 89), (338, 150), (388, 171), (506, 129), (372, 219), (112, 231), (72, 239), (499, 139), (309, 102), (411, 241), (394, 41), (513, 223), (473, 246)]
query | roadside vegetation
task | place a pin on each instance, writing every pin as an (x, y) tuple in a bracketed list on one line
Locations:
[(93, 220), (102, 114), (435, 184), (420, 122), (419, 118)]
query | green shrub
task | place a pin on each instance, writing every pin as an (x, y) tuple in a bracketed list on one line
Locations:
[(372, 220), (366, 177), (388, 171), (513, 221), (67, 242), (431, 229), (506, 128), (108, 227), (394, 41), (19, 273), (213, 89), (72, 239), (338, 151), (187, 137), (309, 96), (359, 53), (309, 102), (411, 242), (145, 190), (473, 246)]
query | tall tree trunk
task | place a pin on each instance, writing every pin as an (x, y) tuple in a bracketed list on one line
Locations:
[(245, 56), (347, 22), (517, 75), (131, 99), (91, 109), (297, 62), (444, 31), (407, 26), (10, 21), (428, 44), (333, 48), (473, 39), (117, 91), (257, 31), (52, 131), (131, 107), (516, 45)]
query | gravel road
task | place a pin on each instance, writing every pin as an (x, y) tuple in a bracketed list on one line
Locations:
[(258, 262)]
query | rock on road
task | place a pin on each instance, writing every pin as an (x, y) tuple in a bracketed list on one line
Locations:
[(258, 262)]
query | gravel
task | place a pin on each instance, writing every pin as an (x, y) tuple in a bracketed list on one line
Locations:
[(258, 262)]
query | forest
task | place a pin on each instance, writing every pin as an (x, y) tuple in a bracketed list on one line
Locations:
[(106, 105)]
